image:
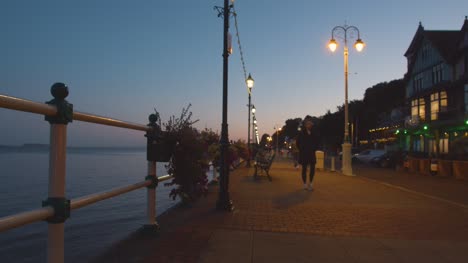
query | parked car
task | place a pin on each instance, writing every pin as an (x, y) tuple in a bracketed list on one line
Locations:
[(390, 159), (367, 155), (354, 151)]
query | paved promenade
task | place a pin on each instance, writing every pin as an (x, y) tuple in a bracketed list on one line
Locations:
[(366, 218)]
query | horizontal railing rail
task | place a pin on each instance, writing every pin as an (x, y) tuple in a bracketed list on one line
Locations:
[(18, 104), (56, 209), (20, 219)]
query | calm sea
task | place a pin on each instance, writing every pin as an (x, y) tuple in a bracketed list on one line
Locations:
[(90, 230)]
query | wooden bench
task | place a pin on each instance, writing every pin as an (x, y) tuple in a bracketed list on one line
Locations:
[(263, 163)]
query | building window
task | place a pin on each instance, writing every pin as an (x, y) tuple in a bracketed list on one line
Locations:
[(437, 74), (418, 108), (418, 144), (444, 145), (431, 143), (438, 104), (418, 82)]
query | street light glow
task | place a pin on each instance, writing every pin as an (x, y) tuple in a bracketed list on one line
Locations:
[(359, 45), (253, 109), (250, 82), (332, 45)]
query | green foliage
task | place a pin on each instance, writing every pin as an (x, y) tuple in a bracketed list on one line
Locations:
[(189, 166), (264, 140), (189, 162), (290, 129), (236, 150)]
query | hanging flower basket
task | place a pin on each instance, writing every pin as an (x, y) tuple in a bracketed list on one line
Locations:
[(161, 151)]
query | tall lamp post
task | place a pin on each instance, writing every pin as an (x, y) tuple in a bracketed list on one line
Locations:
[(224, 201), (359, 45), (250, 83), (277, 140)]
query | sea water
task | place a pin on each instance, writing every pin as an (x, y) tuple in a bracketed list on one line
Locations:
[(89, 230)]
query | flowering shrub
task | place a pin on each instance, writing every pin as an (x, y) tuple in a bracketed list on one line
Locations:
[(189, 165), (189, 162), (192, 155)]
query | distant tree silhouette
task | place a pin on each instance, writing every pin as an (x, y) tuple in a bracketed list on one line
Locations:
[(378, 102), (264, 140)]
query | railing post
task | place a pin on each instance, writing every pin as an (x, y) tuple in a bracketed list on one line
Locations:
[(57, 171), (151, 135), (151, 197)]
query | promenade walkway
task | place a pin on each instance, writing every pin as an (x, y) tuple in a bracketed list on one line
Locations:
[(345, 219)]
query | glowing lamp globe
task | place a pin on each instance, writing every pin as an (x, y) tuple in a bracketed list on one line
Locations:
[(332, 45), (359, 45)]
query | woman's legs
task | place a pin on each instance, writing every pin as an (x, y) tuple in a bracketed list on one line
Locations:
[(312, 172), (304, 173)]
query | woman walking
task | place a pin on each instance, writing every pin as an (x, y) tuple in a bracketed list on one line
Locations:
[(307, 143)]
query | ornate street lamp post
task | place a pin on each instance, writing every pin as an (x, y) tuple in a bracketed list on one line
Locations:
[(250, 83), (224, 201), (359, 45)]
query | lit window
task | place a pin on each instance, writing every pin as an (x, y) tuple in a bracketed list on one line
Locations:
[(418, 108), (414, 108), (443, 101), (434, 106), (444, 145), (438, 104), (422, 109)]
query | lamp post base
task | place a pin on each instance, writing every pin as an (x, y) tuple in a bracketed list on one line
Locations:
[(347, 168)]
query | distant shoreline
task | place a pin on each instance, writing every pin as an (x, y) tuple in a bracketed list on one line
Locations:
[(30, 147)]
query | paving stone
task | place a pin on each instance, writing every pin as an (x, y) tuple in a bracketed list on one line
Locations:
[(345, 219)]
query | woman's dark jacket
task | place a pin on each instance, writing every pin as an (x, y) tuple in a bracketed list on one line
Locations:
[(307, 145)]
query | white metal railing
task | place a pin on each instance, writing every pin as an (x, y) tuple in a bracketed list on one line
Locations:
[(57, 172)]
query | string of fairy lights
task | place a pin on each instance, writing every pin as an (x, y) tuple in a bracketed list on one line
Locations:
[(253, 110)]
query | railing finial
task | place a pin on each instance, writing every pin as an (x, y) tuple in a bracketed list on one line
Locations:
[(153, 118), (59, 90), (64, 109)]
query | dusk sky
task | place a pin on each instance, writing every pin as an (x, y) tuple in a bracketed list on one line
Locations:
[(123, 58)]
